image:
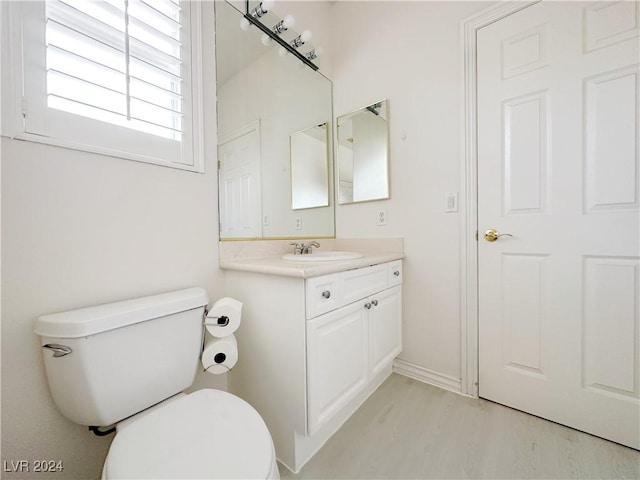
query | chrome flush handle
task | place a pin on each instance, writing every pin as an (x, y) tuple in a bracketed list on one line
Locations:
[(57, 349)]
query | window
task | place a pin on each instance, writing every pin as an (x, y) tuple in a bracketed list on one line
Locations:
[(113, 76)]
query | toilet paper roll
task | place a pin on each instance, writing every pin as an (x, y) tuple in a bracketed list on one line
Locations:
[(220, 354), (224, 317)]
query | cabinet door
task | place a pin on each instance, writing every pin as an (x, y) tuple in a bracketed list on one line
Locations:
[(385, 327), (337, 361)]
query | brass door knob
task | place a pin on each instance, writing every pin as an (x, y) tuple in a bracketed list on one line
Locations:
[(492, 235)]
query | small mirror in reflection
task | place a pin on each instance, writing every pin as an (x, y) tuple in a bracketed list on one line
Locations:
[(363, 159)]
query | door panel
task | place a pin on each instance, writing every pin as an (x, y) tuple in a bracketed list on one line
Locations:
[(610, 319), (559, 300), (611, 181), (525, 128)]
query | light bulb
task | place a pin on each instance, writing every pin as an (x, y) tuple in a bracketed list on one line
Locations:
[(266, 39), (282, 52), (319, 51), (306, 36), (267, 5), (244, 24), (289, 21)]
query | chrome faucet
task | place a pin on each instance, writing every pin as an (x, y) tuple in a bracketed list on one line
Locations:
[(297, 248), (304, 248), (308, 247)]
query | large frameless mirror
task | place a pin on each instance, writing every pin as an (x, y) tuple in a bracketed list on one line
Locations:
[(264, 98), (363, 154)]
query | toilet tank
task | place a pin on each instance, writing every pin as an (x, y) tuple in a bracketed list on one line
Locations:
[(108, 362)]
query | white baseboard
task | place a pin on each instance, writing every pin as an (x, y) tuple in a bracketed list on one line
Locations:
[(425, 375)]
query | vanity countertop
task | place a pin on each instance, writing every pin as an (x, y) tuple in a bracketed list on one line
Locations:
[(277, 266)]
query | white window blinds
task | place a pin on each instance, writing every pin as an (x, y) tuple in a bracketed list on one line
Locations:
[(118, 61), (116, 77)]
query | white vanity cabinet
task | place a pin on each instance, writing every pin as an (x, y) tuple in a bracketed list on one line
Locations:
[(311, 350), (349, 346)]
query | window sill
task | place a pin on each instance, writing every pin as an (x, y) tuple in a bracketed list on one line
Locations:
[(30, 137)]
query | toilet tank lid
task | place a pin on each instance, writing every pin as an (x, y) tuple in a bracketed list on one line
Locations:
[(93, 320)]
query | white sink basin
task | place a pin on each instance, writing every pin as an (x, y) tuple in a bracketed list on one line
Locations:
[(320, 256)]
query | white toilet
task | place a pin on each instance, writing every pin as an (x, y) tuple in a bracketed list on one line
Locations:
[(126, 363)]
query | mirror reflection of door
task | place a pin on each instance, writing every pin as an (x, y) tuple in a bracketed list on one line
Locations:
[(363, 154), (239, 190), (309, 168)]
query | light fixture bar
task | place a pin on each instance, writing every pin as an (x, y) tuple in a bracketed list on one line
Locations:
[(276, 38), (312, 54)]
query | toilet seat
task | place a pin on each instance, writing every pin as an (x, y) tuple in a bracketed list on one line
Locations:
[(206, 434)]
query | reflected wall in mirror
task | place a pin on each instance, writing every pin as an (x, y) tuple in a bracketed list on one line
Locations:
[(263, 99), (310, 167), (363, 154)]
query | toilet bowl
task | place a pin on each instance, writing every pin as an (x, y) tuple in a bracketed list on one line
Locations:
[(127, 363), (206, 434)]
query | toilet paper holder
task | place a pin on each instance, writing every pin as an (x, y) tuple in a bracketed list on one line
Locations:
[(221, 321)]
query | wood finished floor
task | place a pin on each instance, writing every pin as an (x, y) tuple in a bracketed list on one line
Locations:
[(409, 430)]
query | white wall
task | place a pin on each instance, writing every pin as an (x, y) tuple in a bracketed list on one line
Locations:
[(409, 53), (81, 229)]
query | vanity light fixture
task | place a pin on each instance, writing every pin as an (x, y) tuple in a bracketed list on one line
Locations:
[(374, 108), (262, 8), (301, 39), (280, 27), (313, 53), (252, 17), (284, 24), (297, 42)]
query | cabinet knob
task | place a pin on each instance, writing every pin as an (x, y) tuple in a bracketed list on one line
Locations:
[(367, 305), (374, 303), (396, 273), (326, 294)]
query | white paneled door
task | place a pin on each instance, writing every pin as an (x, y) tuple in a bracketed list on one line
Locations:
[(239, 183), (559, 300)]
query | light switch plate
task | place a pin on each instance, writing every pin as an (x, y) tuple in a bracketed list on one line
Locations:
[(451, 202)]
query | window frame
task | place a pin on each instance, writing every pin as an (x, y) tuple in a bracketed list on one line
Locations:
[(26, 116)]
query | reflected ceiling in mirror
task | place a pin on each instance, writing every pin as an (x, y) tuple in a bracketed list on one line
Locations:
[(363, 154), (273, 96)]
